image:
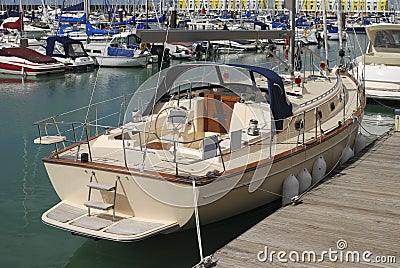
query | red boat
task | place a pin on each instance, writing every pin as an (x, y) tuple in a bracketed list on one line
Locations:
[(25, 61)]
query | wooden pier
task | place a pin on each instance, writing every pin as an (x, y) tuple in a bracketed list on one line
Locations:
[(354, 212)]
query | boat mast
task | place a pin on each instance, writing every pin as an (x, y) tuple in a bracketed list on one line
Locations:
[(23, 41), (86, 8), (340, 31), (325, 31), (291, 5)]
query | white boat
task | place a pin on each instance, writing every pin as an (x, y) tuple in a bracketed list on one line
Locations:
[(236, 44), (380, 65), (25, 61), (29, 30), (333, 33), (123, 50), (180, 50), (221, 138), (69, 52)]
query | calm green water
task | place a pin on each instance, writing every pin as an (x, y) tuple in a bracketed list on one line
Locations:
[(26, 191)]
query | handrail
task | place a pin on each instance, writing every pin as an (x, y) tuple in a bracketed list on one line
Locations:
[(168, 140)]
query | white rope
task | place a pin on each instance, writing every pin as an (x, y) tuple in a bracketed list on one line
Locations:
[(196, 214)]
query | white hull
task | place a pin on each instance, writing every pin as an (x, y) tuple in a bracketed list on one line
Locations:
[(114, 61), (382, 82), (77, 63)]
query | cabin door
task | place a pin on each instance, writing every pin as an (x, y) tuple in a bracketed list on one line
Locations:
[(218, 112)]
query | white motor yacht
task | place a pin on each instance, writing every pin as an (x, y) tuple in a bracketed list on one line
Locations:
[(380, 65)]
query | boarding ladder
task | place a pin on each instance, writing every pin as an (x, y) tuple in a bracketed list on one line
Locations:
[(94, 185)]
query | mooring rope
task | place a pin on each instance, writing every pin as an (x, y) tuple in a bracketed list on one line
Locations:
[(196, 214)]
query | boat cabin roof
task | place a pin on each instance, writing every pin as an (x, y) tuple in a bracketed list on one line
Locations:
[(27, 54)]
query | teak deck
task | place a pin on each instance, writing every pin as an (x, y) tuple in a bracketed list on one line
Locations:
[(358, 203)]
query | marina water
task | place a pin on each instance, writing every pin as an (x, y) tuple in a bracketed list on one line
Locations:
[(26, 191)]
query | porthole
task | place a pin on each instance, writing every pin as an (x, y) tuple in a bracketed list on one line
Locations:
[(332, 105)]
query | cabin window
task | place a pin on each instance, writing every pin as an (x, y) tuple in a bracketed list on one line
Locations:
[(387, 41), (76, 50)]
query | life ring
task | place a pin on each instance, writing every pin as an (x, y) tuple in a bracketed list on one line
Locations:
[(142, 46)]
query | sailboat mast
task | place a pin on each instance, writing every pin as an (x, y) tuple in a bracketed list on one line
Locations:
[(340, 23), (291, 5), (325, 30), (21, 16), (86, 7)]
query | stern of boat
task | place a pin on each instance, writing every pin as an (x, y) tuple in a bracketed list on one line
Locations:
[(121, 228)]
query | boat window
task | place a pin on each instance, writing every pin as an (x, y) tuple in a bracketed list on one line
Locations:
[(76, 50), (118, 41), (387, 41), (133, 40)]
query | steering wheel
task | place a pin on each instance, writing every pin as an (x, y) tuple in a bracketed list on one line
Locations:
[(181, 127)]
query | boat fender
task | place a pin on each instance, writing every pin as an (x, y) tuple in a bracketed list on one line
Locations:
[(359, 143), (305, 179), (319, 169), (346, 154), (290, 189)]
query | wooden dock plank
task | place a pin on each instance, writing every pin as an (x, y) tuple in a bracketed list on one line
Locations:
[(359, 204)]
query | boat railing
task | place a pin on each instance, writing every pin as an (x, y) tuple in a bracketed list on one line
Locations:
[(337, 86), (60, 129), (143, 142)]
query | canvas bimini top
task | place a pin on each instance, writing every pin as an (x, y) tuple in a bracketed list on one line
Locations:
[(72, 48), (239, 79)]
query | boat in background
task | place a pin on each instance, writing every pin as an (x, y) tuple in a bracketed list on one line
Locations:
[(68, 51), (25, 61), (380, 65), (180, 50), (124, 50)]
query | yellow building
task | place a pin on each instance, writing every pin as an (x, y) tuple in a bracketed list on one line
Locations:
[(383, 5), (309, 5), (183, 4)]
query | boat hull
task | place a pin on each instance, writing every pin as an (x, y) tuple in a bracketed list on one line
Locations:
[(381, 81), (109, 61), (22, 67), (135, 201)]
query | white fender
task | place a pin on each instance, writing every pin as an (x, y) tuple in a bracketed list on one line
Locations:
[(346, 155), (359, 143), (319, 169), (290, 189), (305, 179)]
